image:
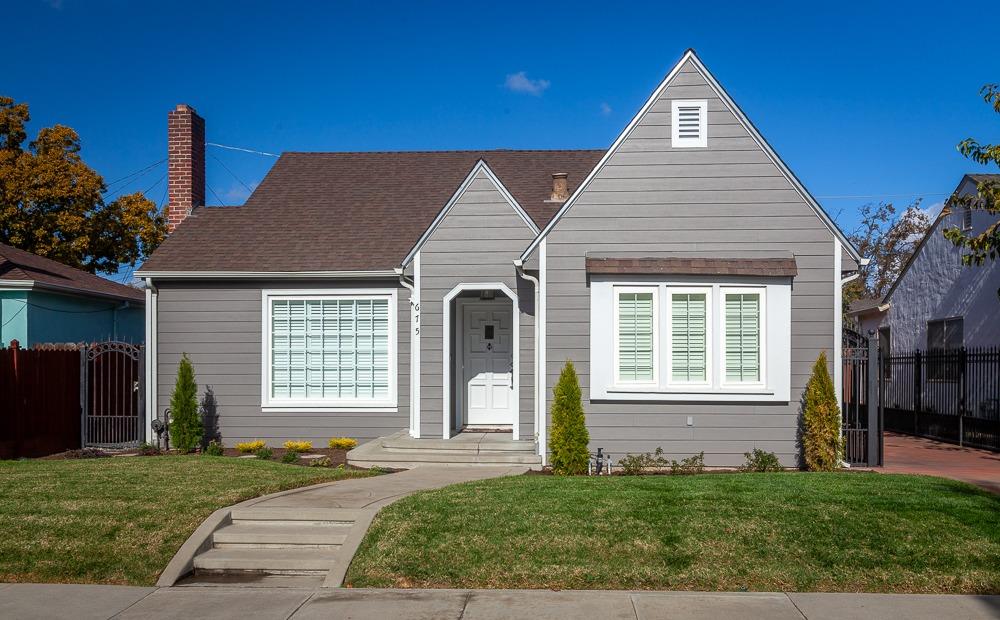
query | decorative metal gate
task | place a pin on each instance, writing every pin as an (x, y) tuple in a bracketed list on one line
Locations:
[(111, 395), (860, 422)]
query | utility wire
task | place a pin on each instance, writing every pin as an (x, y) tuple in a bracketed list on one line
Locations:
[(221, 204), (232, 173), (239, 148), (129, 178), (887, 195)]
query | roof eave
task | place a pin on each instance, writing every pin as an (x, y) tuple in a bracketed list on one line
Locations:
[(265, 275)]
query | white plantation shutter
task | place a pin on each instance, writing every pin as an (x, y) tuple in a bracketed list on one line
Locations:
[(330, 349), (635, 336), (688, 337), (742, 337)]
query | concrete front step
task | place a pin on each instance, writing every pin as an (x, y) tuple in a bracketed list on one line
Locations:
[(252, 535), (266, 561), (457, 446), (282, 515)]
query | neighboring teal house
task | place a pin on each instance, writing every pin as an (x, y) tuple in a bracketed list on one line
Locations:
[(44, 301)]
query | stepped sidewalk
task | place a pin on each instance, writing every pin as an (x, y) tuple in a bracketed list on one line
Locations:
[(30, 601)]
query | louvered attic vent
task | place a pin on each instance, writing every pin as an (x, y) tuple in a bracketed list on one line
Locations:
[(689, 124)]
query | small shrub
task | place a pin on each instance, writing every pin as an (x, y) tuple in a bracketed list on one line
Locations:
[(263, 454), (322, 462), (147, 449), (290, 456), (635, 464), (691, 465), (298, 446), (569, 438), (342, 443), (86, 453), (250, 447), (761, 461), (185, 423), (821, 440), (215, 448)]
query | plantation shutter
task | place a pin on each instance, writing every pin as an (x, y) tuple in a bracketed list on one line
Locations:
[(635, 336), (742, 337), (330, 349), (689, 325)]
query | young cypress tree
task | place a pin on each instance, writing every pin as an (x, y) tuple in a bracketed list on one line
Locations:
[(185, 421), (568, 438), (822, 444)]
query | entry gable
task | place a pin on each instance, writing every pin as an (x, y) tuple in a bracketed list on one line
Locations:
[(481, 172), (690, 119)]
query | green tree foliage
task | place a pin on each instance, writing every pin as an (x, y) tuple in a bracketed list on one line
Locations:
[(822, 444), (52, 204), (568, 438), (185, 421), (985, 245)]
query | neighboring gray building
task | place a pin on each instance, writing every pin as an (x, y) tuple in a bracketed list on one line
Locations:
[(937, 302), (685, 271)]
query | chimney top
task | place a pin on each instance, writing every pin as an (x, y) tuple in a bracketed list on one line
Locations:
[(183, 107), (185, 163), (560, 188)]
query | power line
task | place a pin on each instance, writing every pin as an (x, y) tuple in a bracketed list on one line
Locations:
[(239, 148), (232, 173), (129, 178), (886, 195), (214, 194)]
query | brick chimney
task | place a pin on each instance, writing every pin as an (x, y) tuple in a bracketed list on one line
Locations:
[(186, 163), (560, 191)]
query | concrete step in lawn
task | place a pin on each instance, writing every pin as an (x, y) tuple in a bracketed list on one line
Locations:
[(402, 451), (265, 561)]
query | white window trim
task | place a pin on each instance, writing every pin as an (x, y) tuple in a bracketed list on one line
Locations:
[(618, 290), (676, 141), (709, 329), (284, 405), (761, 336)]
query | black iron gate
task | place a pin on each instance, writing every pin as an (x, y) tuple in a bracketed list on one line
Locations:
[(112, 395), (860, 419)]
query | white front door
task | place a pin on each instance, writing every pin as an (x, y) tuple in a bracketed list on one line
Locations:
[(488, 364)]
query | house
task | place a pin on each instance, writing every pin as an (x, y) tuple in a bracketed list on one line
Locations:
[(937, 303), (45, 301), (686, 272)]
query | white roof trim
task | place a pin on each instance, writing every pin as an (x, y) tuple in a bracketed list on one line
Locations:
[(481, 166), (740, 116), (243, 275)]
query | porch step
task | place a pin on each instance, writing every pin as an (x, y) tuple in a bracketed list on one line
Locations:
[(401, 450), (265, 561), (458, 446)]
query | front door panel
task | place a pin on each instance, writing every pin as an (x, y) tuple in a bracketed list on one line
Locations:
[(488, 364)]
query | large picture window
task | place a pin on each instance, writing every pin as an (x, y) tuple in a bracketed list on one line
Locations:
[(329, 350)]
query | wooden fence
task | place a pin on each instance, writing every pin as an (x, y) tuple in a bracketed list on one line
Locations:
[(39, 401)]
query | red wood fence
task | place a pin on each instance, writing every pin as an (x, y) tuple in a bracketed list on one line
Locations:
[(39, 401)]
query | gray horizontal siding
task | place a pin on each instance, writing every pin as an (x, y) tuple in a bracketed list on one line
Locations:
[(218, 324), (477, 241), (728, 199)]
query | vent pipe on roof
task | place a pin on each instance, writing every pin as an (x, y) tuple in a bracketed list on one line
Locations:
[(560, 189)]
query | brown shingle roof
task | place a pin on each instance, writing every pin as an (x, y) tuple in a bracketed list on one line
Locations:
[(353, 211), (24, 266), (694, 266)]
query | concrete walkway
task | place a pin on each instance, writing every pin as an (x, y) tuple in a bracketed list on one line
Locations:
[(30, 601), (278, 533), (915, 455)]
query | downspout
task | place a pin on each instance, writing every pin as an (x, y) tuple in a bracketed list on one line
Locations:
[(414, 342), (519, 267), (152, 335)]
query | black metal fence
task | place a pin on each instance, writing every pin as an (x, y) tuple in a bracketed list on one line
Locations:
[(951, 395)]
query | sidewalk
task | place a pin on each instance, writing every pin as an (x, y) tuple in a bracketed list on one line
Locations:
[(30, 601)]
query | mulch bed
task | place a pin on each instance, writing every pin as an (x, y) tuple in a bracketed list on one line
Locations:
[(337, 457)]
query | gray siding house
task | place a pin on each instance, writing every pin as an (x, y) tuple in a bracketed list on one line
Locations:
[(419, 296)]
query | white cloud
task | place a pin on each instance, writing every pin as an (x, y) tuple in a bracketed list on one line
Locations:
[(520, 83), (237, 194), (605, 109)]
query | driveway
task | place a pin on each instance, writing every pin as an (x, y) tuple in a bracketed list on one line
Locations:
[(916, 455)]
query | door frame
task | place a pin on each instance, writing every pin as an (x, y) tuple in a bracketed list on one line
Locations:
[(446, 358), (461, 304)]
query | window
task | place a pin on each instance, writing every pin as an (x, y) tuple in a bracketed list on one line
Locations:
[(689, 337), (885, 349), (967, 218), (689, 124), (635, 335), (329, 349), (944, 339), (743, 337)]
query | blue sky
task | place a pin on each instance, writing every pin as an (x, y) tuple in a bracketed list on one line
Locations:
[(864, 102)]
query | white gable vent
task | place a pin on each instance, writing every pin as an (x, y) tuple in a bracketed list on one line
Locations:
[(689, 123)]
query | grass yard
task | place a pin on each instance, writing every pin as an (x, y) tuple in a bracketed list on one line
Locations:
[(786, 531), (120, 520)]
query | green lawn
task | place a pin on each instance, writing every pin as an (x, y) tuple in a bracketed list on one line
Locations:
[(120, 520), (785, 531)]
